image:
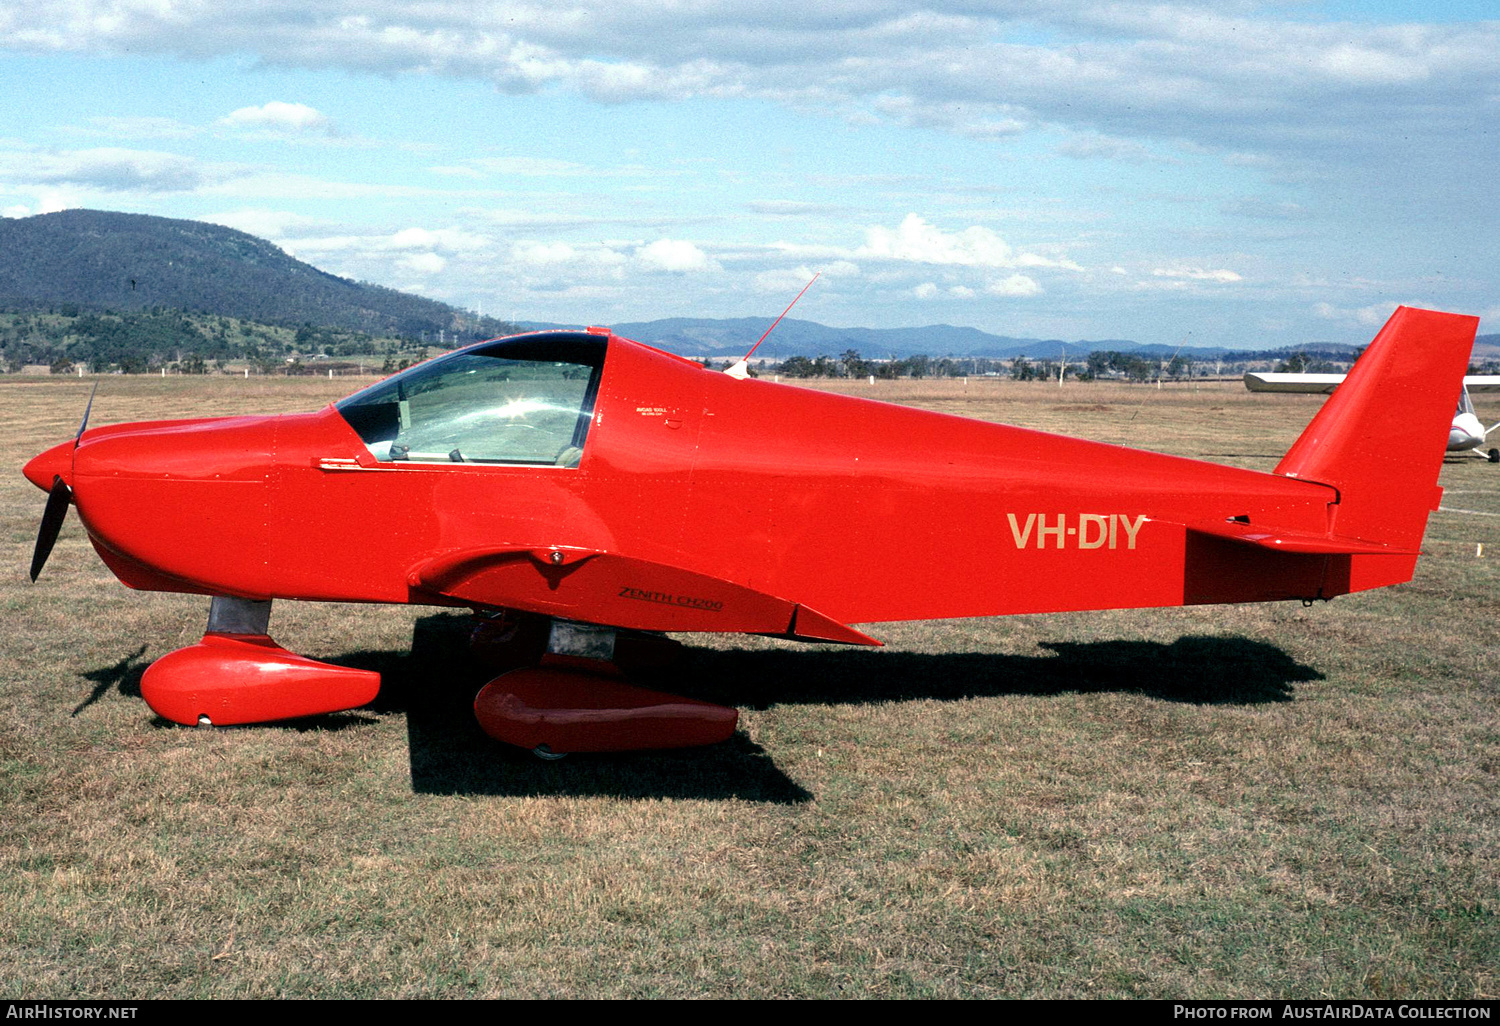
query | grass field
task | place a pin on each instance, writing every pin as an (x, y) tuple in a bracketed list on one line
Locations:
[(1244, 801)]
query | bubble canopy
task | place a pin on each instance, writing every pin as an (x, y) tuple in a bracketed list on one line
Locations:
[(526, 400)]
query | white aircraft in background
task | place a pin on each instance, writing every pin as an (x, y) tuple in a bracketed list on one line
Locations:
[(1466, 435)]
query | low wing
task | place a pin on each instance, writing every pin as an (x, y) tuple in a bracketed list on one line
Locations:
[(622, 591)]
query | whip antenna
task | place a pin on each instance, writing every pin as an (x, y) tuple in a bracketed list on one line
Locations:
[(741, 368)]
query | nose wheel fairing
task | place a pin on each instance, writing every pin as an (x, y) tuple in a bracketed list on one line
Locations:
[(237, 674), (248, 678)]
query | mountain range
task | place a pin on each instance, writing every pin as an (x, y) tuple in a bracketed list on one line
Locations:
[(104, 260), (732, 338)]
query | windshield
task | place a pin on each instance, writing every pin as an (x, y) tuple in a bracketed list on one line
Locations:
[(526, 400)]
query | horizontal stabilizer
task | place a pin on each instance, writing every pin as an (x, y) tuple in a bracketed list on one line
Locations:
[(1293, 541)]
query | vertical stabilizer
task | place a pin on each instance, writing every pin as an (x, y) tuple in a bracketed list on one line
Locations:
[(1380, 439)]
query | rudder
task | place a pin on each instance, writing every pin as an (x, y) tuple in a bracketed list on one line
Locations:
[(1380, 439)]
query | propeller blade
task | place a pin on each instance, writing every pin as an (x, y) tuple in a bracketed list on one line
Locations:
[(86, 411), (58, 500)]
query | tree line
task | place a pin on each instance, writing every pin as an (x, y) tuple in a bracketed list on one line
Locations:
[(66, 336), (1098, 364)]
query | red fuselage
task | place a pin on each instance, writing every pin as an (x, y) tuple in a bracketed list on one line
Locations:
[(860, 510)]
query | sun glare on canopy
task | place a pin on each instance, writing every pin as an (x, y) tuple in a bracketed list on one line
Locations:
[(526, 400)]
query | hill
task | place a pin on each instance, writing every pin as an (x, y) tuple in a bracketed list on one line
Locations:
[(102, 260)]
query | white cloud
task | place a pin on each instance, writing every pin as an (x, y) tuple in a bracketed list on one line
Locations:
[(1262, 209), (405, 241), (791, 280), (541, 254), (1240, 78), (790, 208), (916, 241), (113, 169), (395, 258), (50, 201), (538, 167), (142, 127), (267, 224), (422, 263), (1372, 64), (787, 281), (279, 117), (283, 186), (674, 255), (454, 240), (533, 254), (926, 290), (1373, 315), (811, 251), (1218, 277), (977, 120), (1095, 147), (1018, 285)]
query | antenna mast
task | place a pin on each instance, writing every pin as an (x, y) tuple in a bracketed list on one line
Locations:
[(741, 368)]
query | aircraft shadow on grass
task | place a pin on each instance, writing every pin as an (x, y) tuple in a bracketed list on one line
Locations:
[(451, 755), (434, 686), (124, 675)]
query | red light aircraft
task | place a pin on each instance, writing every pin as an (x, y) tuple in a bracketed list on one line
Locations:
[(608, 489)]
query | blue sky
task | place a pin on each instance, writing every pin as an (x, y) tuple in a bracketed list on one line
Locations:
[(1227, 173)]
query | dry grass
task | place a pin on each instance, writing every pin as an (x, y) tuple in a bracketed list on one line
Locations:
[(1214, 802)]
